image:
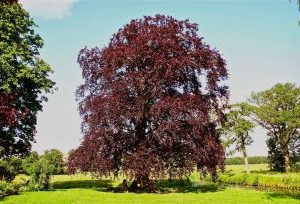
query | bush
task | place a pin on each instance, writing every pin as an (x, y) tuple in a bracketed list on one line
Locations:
[(40, 175), (3, 186), (296, 167), (21, 182), (16, 164), (7, 188), (7, 170)]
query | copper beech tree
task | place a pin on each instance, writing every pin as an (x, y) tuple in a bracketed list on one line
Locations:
[(151, 102)]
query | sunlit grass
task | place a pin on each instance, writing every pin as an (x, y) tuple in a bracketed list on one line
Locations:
[(90, 196), (84, 188), (257, 168)]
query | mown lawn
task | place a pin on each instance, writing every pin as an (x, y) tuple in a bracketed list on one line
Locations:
[(90, 196), (77, 189)]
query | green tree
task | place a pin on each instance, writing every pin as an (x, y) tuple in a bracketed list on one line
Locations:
[(29, 160), (278, 111), (40, 173), (276, 156), (54, 159), (41, 168), (24, 78), (237, 129)]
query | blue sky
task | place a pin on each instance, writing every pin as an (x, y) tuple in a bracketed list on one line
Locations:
[(259, 39)]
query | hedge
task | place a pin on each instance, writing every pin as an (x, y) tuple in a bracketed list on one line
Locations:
[(277, 181)]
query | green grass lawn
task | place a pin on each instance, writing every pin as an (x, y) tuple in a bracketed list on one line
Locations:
[(77, 189), (89, 196)]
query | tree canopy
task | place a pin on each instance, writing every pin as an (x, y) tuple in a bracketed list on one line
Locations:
[(151, 101), (278, 110), (55, 161), (24, 79), (237, 129)]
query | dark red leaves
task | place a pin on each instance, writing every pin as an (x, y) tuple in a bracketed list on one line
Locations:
[(9, 1), (8, 113), (151, 102)]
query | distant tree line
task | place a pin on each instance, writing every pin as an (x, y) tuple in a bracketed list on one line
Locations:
[(251, 160)]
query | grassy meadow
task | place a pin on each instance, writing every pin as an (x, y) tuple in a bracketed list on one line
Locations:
[(255, 168), (90, 196), (79, 188)]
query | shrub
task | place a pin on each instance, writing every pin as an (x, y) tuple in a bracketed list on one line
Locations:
[(7, 171), (16, 164), (296, 167), (3, 186), (8, 188), (40, 175), (21, 182), (240, 179), (282, 181)]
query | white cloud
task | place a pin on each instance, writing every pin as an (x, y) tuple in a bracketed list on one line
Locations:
[(48, 9)]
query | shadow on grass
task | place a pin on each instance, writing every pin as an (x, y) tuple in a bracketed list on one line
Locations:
[(186, 186), (101, 185), (281, 195), (162, 186)]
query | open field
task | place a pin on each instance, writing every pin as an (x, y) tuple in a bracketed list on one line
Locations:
[(84, 189), (254, 168)]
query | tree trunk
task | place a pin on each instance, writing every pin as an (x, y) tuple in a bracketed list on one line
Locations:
[(170, 176), (285, 150), (246, 161), (287, 164), (214, 176)]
